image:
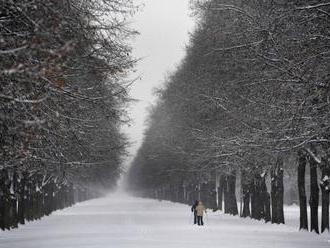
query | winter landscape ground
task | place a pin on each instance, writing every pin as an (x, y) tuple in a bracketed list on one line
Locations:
[(122, 221)]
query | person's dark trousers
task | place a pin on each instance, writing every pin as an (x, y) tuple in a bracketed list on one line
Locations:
[(195, 217), (200, 220)]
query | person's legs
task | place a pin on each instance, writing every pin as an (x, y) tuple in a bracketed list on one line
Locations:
[(202, 223), (195, 218), (199, 220)]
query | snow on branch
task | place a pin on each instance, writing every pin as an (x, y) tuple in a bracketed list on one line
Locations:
[(22, 100), (13, 50), (221, 7), (313, 155), (313, 6), (225, 49)]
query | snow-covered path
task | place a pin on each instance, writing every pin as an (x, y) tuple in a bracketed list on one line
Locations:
[(120, 221)]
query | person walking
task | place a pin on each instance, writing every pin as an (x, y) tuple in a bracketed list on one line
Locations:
[(200, 209), (193, 209)]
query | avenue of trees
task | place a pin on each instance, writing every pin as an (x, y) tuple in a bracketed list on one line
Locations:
[(249, 102), (63, 93)]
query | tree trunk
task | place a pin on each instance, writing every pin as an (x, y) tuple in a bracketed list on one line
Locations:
[(199, 191), (21, 195), (254, 200), (314, 197), (277, 193), (232, 193), (266, 200), (13, 200), (257, 198), (267, 210), (216, 189), (273, 195), (302, 192), (325, 200), (2, 201), (221, 191), (246, 196), (280, 198), (226, 195)]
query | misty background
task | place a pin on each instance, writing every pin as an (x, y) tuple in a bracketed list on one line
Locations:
[(164, 28)]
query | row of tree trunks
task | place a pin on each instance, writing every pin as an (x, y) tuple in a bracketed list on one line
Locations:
[(25, 198), (212, 193), (257, 203), (256, 193), (187, 193), (314, 193), (215, 192)]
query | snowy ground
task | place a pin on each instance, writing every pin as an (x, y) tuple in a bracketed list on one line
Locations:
[(120, 221)]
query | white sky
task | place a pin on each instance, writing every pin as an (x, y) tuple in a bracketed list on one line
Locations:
[(163, 27)]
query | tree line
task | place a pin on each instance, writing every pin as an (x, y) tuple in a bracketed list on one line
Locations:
[(249, 102), (63, 93)]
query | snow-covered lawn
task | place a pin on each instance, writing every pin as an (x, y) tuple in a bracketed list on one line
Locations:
[(121, 221)]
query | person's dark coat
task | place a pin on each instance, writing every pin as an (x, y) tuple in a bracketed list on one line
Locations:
[(193, 208)]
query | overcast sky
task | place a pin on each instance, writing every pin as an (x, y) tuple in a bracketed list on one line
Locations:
[(164, 26)]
